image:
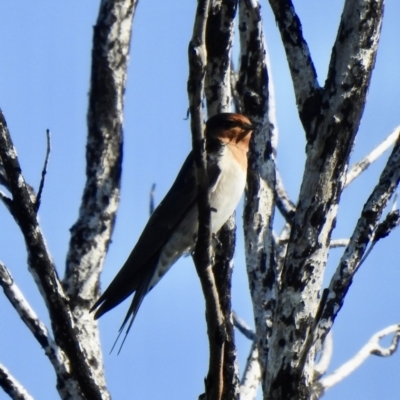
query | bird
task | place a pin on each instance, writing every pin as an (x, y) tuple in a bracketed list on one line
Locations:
[(172, 228)]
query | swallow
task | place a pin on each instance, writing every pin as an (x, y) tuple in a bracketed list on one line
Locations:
[(172, 228)]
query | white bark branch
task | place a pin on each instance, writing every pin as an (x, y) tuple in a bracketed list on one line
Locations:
[(42, 267), (283, 202), (304, 76), (331, 118), (219, 38), (243, 328), (358, 168), (258, 214), (251, 376), (322, 365), (371, 348), (361, 238), (56, 356), (11, 385), (335, 243), (90, 235)]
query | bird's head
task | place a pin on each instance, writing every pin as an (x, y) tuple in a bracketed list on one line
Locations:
[(230, 127)]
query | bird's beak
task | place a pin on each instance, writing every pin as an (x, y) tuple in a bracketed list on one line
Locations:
[(246, 129)]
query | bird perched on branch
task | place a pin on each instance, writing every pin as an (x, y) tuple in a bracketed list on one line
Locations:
[(172, 229)]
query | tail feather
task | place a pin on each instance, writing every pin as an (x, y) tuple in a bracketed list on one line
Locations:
[(140, 294)]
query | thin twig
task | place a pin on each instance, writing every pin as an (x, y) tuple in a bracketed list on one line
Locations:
[(44, 171), (6, 201), (285, 205), (243, 328), (325, 358), (3, 177), (358, 168), (371, 348), (335, 243), (11, 385), (152, 191)]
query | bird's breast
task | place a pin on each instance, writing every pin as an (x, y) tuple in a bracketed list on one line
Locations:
[(227, 191), (224, 198)]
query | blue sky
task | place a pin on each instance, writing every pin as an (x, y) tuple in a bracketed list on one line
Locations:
[(44, 82)]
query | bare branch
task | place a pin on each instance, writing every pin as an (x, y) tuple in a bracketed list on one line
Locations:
[(11, 386), (218, 91), (304, 76), (219, 38), (251, 375), (322, 365), (3, 177), (285, 205), (152, 191), (336, 122), (358, 168), (258, 214), (338, 243), (391, 221), (90, 235), (223, 268), (202, 255), (371, 348), (44, 171), (43, 270), (56, 356), (362, 236), (243, 328), (6, 201)]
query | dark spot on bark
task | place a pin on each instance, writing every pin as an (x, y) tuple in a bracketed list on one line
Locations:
[(262, 265), (269, 278), (268, 150), (310, 110), (219, 335), (289, 321), (318, 217), (282, 342)]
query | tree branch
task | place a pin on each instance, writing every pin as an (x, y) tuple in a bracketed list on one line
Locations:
[(326, 353), (251, 375), (90, 235), (223, 269), (362, 236), (304, 76), (283, 202), (330, 132), (43, 270), (259, 202), (66, 385), (219, 38), (371, 348), (202, 255), (358, 168), (243, 328), (11, 386), (44, 171)]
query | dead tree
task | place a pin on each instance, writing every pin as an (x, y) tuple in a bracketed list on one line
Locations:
[(293, 313)]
